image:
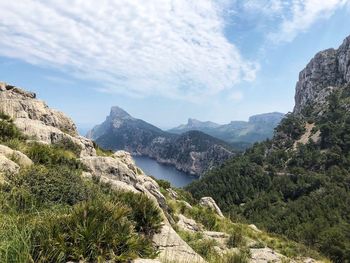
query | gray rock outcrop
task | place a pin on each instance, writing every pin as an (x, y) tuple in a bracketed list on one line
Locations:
[(327, 71), (173, 249), (36, 120), (8, 166), (211, 204)]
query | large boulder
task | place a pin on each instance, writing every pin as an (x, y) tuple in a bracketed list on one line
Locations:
[(172, 248), (121, 171), (16, 156), (211, 204), (7, 166), (187, 224), (266, 255), (41, 132)]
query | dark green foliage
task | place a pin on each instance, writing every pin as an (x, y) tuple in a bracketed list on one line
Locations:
[(292, 126), (304, 193), (236, 238), (144, 213), (93, 230), (162, 183), (46, 186), (68, 145), (206, 217), (52, 155), (7, 129)]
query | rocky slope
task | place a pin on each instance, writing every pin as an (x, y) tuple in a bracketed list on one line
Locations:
[(291, 184), (192, 152), (257, 128)]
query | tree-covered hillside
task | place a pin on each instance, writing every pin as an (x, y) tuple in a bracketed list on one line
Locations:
[(298, 183)]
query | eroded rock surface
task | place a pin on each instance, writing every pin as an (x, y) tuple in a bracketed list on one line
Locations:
[(327, 71), (19, 103), (173, 248), (210, 203), (18, 157)]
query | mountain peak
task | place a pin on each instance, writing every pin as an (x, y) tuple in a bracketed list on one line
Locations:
[(119, 113)]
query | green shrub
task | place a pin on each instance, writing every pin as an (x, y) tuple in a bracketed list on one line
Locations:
[(236, 238), (68, 145), (39, 186), (95, 230), (205, 247), (51, 155), (162, 183), (8, 130), (15, 243), (144, 212), (235, 258), (205, 216)]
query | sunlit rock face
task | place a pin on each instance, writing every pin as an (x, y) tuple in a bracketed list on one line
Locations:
[(327, 71)]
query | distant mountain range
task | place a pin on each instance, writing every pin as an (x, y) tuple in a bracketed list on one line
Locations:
[(193, 152), (243, 133)]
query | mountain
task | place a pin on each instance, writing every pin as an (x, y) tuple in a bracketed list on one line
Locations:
[(257, 128), (193, 152), (63, 199), (298, 183)]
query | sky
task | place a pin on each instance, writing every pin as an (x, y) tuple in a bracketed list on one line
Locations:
[(165, 61)]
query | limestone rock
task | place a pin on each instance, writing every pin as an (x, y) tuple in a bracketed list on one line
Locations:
[(210, 203), (19, 157), (187, 224), (8, 166), (327, 71), (118, 172), (172, 193), (254, 227), (18, 103), (50, 135), (265, 255), (172, 248)]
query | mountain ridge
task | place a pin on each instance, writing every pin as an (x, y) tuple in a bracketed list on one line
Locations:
[(259, 127), (191, 152)]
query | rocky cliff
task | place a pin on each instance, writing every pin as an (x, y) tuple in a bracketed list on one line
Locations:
[(192, 152), (327, 71)]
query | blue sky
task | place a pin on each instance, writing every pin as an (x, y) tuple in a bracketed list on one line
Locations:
[(166, 60)]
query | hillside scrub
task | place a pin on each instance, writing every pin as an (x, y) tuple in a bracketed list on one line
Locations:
[(49, 213), (303, 194)]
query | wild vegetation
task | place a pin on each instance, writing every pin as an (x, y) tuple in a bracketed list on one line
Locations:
[(241, 237), (49, 213), (300, 192)]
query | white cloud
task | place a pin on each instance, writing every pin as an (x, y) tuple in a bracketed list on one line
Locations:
[(173, 48), (300, 15), (235, 95)]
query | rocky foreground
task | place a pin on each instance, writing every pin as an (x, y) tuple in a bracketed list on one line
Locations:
[(185, 235)]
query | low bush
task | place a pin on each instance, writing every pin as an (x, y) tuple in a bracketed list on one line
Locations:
[(7, 129), (204, 216), (47, 186), (52, 155), (94, 230), (236, 238)]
